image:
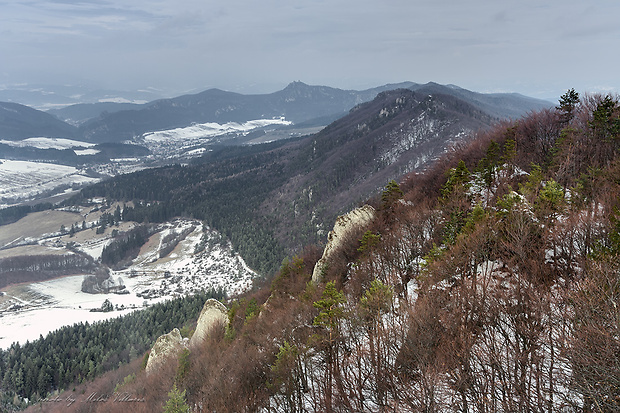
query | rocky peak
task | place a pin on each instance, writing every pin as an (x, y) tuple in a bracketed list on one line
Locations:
[(166, 346), (344, 225), (213, 315)]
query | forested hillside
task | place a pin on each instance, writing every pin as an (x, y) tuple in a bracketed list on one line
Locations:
[(270, 200), (489, 283), (224, 194), (74, 354), (19, 122)]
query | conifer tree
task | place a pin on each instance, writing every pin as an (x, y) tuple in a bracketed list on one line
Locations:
[(568, 104), (176, 401), (391, 194), (331, 312)]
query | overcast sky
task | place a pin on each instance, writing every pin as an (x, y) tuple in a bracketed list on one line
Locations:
[(538, 48)]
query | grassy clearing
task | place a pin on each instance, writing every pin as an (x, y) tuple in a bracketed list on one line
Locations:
[(37, 224)]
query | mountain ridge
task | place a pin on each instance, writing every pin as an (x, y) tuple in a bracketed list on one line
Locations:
[(289, 190), (398, 132), (20, 122), (297, 102)]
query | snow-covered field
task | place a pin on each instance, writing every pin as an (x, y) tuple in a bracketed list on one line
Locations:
[(48, 143), (49, 305), (27, 311), (182, 140), (209, 130), (23, 180)]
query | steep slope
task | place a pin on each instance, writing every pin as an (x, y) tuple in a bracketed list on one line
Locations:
[(398, 132), (273, 199), (20, 122), (500, 105)]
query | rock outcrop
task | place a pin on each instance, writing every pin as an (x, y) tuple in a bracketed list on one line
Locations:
[(213, 315), (344, 225), (166, 346)]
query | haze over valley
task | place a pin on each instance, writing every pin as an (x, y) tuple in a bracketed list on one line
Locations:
[(78, 156), (341, 206)]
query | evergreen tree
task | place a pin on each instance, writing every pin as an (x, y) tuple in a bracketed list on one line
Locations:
[(391, 194), (568, 104), (331, 311), (176, 401), (606, 119)]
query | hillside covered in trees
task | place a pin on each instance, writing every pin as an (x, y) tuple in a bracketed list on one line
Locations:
[(75, 354), (489, 283), (270, 200)]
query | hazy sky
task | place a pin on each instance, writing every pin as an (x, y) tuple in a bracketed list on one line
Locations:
[(538, 48)]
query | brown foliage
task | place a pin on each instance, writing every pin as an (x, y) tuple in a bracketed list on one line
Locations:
[(516, 311), (594, 347)]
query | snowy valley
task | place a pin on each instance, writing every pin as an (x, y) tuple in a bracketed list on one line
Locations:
[(201, 260)]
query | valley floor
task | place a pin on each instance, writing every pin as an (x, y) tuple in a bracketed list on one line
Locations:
[(29, 310)]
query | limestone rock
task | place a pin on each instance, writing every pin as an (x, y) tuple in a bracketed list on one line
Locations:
[(213, 315), (344, 224), (166, 346)]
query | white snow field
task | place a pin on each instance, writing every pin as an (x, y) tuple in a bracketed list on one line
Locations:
[(48, 143), (181, 140), (28, 311), (23, 180)]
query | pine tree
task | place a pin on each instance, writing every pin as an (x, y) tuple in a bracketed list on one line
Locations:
[(331, 312), (391, 194), (176, 401), (568, 103)]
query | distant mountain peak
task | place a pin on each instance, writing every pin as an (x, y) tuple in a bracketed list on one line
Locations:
[(297, 85)]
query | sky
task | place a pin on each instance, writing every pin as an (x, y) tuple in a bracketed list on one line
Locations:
[(537, 48)]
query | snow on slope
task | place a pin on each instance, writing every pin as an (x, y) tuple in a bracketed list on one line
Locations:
[(208, 130), (22, 180), (200, 261), (185, 270), (181, 140), (48, 143)]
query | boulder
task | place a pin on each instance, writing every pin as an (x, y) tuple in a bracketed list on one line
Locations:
[(344, 225), (213, 315), (166, 346)]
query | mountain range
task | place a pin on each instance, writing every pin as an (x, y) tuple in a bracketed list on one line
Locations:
[(486, 282), (273, 199), (298, 102)]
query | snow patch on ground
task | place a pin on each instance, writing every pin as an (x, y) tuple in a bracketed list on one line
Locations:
[(200, 261), (23, 180), (48, 143), (122, 100), (81, 152), (184, 141)]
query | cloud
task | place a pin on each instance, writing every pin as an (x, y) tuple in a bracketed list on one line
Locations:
[(343, 43)]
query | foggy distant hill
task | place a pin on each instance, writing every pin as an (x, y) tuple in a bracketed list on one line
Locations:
[(257, 194), (20, 122), (500, 105), (298, 102)]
